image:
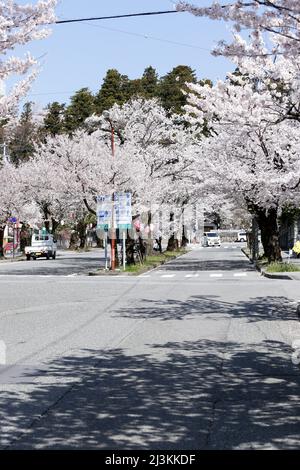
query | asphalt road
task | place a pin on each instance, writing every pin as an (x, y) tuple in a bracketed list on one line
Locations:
[(195, 355), (67, 263)]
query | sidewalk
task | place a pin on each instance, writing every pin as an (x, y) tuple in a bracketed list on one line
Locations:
[(285, 275)]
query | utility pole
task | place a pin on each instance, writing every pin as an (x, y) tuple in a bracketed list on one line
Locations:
[(113, 232), (113, 238)]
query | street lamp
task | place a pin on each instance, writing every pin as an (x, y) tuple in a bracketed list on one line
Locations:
[(106, 115)]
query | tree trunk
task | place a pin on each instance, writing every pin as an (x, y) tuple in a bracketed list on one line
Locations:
[(267, 222), (184, 240), (129, 250), (81, 230), (172, 242), (1, 240), (74, 241), (99, 241), (54, 224), (25, 237), (159, 243), (149, 242)]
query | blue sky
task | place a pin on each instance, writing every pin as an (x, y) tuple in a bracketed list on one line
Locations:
[(78, 55)]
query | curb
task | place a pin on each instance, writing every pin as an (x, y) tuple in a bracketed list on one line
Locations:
[(275, 275), (283, 276), (144, 271), (15, 260)]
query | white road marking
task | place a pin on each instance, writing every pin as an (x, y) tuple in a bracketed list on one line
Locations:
[(216, 275), (240, 274), (192, 275), (145, 275), (168, 275)]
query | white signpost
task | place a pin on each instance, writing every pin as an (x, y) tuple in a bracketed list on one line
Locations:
[(122, 217)]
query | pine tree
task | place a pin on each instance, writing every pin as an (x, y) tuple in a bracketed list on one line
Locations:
[(149, 83), (82, 106), (21, 144), (115, 89), (171, 88), (54, 119), (133, 89)]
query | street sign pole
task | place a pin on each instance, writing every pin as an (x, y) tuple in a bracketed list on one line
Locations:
[(13, 241), (105, 247), (114, 216), (113, 232), (113, 237), (124, 250)]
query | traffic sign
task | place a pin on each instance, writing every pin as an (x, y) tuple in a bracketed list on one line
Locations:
[(104, 211), (122, 211)]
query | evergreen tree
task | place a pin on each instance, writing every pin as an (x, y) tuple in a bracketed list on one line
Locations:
[(149, 83), (172, 85), (24, 135), (54, 119), (82, 106), (133, 89), (115, 89)]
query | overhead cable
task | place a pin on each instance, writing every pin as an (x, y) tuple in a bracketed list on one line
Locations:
[(130, 15)]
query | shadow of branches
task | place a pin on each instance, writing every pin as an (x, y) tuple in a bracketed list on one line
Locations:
[(270, 308), (201, 395)]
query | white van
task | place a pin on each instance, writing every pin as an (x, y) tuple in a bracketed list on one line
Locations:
[(211, 239), (241, 236)]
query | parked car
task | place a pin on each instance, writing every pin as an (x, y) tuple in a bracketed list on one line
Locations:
[(211, 239), (241, 236), (42, 246)]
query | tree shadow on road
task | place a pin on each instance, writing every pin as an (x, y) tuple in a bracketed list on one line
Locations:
[(198, 395), (59, 267), (269, 308), (196, 264)]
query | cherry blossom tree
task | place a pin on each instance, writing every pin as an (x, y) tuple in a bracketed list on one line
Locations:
[(249, 155), (19, 25), (280, 19), (159, 158)]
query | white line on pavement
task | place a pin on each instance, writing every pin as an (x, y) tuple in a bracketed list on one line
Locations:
[(192, 275), (168, 275), (240, 274), (216, 275)]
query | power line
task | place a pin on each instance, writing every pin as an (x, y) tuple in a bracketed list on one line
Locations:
[(147, 36), (131, 15)]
